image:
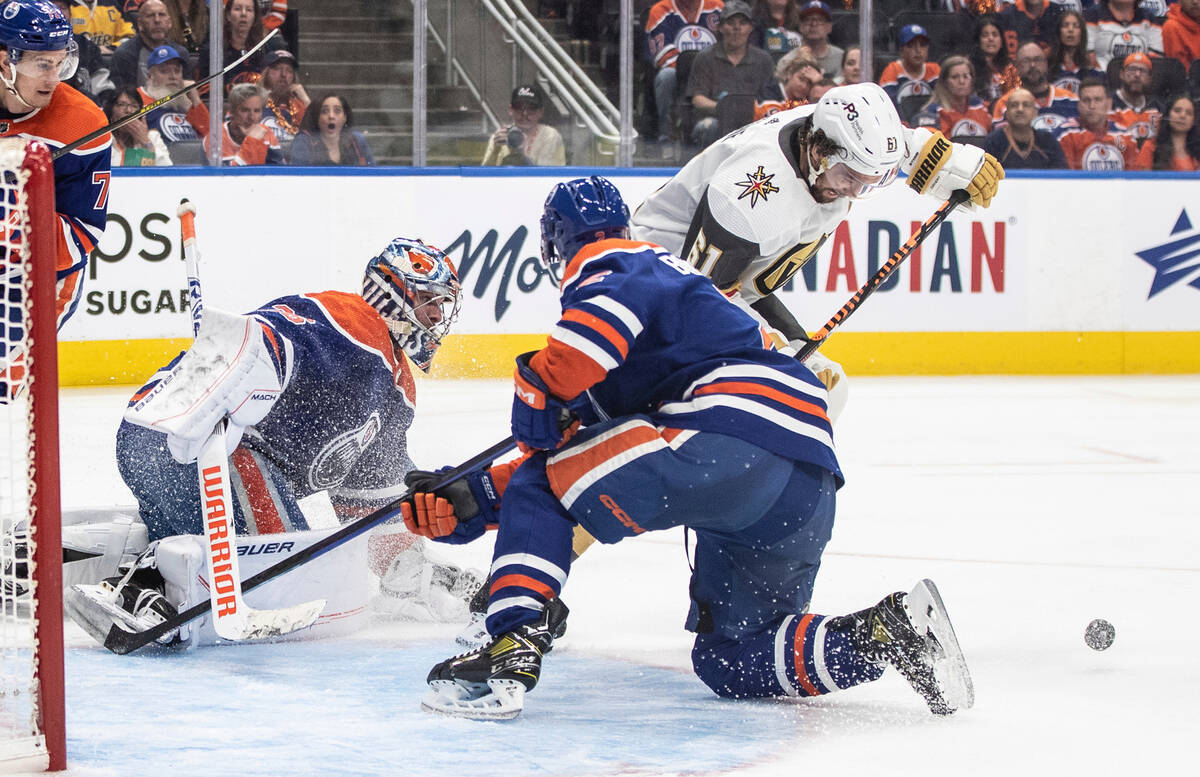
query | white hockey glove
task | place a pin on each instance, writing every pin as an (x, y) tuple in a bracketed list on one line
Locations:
[(833, 377), (938, 167), (228, 371)]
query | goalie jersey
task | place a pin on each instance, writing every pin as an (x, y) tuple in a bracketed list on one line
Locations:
[(347, 400), (644, 333)]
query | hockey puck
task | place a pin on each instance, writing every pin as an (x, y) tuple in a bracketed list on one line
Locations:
[(1099, 635)]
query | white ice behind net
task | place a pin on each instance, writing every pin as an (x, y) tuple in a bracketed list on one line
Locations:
[(19, 734)]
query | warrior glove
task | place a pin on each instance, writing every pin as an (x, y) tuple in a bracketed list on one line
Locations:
[(539, 419), (938, 167)]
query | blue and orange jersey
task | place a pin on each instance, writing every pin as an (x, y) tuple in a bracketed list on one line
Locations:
[(669, 30), (1139, 124), (899, 84), (771, 100), (81, 180), (1087, 150), (175, 121), (642, 332), (975, 121), (1057, 110), (347, 400)]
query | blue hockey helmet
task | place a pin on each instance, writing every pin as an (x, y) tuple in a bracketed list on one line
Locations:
[(579, 212), (415, 288), (28, 26)]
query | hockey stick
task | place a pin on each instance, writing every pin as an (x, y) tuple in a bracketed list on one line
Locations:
[(232, 618), (121, 122), (121, 641), (958, 197)]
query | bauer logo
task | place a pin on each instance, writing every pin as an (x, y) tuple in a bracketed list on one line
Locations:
[(1176, 260)]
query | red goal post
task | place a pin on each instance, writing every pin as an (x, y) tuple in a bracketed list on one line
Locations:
[(32, 710)]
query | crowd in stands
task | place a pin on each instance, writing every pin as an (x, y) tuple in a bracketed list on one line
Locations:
[(135, 52), (1081, 84), (1085, 84)]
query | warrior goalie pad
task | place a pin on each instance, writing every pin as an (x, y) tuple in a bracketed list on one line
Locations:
[(236, 368)]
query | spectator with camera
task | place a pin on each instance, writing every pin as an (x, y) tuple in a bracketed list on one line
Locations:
[(526, 141)]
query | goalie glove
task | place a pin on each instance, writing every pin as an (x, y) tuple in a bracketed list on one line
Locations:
[(230, 371), (938, 167), (455, 513)]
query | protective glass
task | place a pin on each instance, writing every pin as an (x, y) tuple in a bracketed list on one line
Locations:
[(40, 65)]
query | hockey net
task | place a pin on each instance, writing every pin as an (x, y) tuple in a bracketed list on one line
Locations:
[(31, 661)]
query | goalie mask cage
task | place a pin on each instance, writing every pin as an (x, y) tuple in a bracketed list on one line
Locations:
[(32, 732)]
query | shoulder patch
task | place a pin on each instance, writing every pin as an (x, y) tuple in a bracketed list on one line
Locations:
[(757, 185)]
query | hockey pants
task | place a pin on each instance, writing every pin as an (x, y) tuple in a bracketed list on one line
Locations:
[(761, 523)]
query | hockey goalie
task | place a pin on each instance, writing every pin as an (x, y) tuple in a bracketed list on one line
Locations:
[(318, 396)]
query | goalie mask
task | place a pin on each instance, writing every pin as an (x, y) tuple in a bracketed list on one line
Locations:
[(415, 288)]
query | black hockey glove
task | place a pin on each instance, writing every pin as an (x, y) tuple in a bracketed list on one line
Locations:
[(435, 513)]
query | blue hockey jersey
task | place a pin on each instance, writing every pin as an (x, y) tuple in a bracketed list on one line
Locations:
[(642, 332), (348, 399)]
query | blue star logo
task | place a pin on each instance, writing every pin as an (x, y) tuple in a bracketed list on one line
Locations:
[(1176, 259)]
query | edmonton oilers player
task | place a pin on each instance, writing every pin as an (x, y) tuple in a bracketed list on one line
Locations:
[(37, 53), (688, 419), (319, 397)]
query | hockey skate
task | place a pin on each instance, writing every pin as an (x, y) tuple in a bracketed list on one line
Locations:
[(490, 683), (132, 601), (912, 632), (475, 633)]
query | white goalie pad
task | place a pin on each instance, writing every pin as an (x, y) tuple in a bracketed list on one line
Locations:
[(95, 542), (228, 371), (339, 576)]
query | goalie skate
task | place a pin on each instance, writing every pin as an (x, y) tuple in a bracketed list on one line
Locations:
[(118, 602)]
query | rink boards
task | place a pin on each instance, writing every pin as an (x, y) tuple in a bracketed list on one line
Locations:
[(1064, 274)]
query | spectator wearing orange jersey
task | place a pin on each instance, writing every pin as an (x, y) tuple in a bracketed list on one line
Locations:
[(1181, 32), (913, 74), (1136, 113), (794, 79), (1097, 143), (953, 109), (1177, 144), (675, 26), (244, 138)]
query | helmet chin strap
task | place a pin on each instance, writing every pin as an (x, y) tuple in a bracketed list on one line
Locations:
[(10, 83), (815, 171)]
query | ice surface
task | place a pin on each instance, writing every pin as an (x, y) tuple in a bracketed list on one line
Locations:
[(1036, 504)]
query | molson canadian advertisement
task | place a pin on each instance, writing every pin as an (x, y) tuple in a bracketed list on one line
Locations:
[(1050, 279)]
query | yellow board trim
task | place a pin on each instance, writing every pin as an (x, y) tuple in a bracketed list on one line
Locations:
[(109, 362)]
